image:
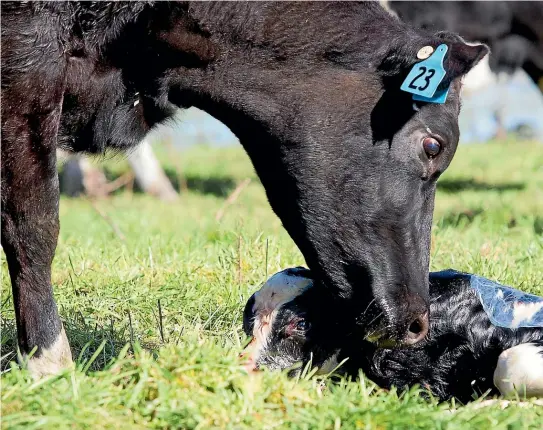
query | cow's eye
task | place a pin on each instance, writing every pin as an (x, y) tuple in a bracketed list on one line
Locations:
[(431, 146)]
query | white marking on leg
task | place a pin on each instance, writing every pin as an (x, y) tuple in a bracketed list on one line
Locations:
[(520, 370), (52, 360)]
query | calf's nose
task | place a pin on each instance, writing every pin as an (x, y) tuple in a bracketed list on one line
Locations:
[(247, 357)]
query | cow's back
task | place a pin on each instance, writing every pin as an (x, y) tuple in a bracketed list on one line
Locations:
[(79, 49)]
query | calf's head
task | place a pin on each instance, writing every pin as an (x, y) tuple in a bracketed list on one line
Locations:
[(290, 325), (349, 162)]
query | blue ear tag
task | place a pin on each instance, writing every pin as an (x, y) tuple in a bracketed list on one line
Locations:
[(440, 96), (425, 77)]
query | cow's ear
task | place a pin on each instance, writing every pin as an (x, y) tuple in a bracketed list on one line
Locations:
[(462, 58)]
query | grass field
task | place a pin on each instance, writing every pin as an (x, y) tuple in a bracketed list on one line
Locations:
[(138, 367)]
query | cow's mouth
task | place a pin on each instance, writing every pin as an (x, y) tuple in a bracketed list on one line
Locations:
[(416, 332)]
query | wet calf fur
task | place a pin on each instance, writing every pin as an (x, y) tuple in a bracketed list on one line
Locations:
[(312, 90), (464, 354)]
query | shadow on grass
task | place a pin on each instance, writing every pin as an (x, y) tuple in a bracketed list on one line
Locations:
[(457, 219), (458, 185), (219, 186)]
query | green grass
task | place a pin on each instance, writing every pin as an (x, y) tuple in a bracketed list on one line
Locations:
[(488, 220)]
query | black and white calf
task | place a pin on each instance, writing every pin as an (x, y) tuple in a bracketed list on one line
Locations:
[(464, 354)]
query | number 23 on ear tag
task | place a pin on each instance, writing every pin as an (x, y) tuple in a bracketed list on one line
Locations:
[(424, 78)]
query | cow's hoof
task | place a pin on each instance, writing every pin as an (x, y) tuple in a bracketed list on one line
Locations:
[(520, 371), (51, 360)]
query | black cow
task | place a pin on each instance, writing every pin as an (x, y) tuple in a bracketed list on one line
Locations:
[(312, 91), (512, 29)]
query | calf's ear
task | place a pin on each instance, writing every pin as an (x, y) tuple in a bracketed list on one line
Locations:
[(249, 317)]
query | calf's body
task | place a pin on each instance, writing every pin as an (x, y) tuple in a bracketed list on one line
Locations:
[(464, 354)]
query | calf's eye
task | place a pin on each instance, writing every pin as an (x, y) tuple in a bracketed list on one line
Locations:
[(431, 146), (297, 327), (302, 325)]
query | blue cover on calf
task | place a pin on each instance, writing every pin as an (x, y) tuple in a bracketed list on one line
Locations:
[(505, 306)]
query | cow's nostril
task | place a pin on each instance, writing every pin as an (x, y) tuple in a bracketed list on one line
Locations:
[(415, 327), (418, 329)]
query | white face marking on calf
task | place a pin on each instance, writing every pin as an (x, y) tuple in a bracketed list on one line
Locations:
[(278, 290), (524, 312), (520, 370)]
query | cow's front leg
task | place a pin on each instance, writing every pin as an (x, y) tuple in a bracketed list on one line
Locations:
[(30, 228)]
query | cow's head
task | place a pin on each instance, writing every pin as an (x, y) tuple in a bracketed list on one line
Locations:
[(349, 162)]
